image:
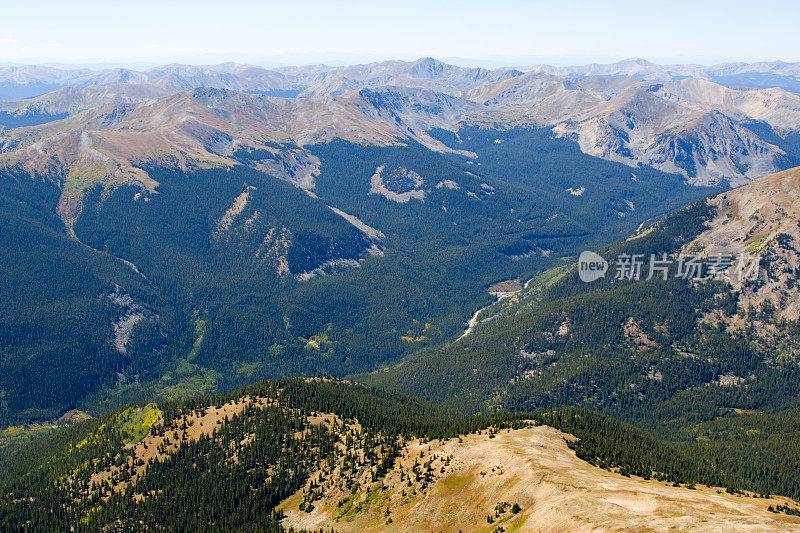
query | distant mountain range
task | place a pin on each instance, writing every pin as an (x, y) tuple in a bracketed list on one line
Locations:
[(30, 80), (684, 119), (760, 75)]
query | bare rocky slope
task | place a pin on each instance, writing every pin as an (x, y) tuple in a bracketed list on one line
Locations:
[(760, 219)]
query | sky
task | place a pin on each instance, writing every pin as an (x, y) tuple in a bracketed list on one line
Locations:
[(488, 32)]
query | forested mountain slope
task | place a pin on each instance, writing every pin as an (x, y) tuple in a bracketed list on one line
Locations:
[(320, 453), (672, 353), (213, 277)]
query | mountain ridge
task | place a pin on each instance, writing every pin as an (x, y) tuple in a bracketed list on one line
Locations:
[(313, 453), (691, 126)]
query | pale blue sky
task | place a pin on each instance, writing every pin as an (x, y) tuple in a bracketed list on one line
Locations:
[(518, 32)]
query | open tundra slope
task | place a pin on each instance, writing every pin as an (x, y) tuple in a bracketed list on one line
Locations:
[(229, 112), (72, 100), (351, 116), (204, 127), (466, 480)]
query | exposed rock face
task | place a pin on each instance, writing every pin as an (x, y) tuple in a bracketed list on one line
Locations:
[(295, 165), (713, 149), (693, 127), (274, 249), (234, 211), (399, 185), (133, 313), (369, 231), (328, 268)]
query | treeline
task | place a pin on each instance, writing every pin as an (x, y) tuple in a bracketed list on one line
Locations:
[(638, 351)]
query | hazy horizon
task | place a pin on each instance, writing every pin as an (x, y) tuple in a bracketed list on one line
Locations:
[(465, 33), (141, 64)]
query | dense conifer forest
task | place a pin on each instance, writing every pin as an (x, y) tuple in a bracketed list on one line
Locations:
[(219, 308)]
